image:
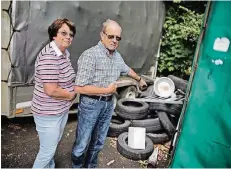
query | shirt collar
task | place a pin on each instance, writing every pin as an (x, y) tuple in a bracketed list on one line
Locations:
[(57, 50), (102, 47)]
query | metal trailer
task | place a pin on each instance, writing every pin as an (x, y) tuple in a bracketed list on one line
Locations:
[(24, 33)]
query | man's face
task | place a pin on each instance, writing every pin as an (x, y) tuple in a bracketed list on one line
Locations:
[(64, 36), (111, 37)]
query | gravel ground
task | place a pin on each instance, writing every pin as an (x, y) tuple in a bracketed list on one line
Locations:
[(20, 144)]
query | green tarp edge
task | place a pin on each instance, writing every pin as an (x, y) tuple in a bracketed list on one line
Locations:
[(205, 136)]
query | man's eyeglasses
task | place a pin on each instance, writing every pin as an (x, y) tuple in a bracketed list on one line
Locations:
[(65, 34), (118, 38)]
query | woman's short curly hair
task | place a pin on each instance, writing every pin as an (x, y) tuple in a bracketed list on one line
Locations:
[(57, 24)]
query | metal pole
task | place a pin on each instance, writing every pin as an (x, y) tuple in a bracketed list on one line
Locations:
[(156, 62)]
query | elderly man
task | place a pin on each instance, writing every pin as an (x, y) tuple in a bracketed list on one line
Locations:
[(98, 69)]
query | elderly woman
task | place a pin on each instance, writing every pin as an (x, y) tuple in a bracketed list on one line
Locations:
[(54, 90)]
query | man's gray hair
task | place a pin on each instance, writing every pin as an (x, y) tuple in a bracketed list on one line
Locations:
[(108, 22)]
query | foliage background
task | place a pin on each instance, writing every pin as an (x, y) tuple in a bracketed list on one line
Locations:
[(180, 33)]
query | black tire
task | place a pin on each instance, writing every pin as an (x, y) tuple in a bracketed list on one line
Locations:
[(174, 109), (130, 109), (134, 154), (173, 119), (151, 125), (128, 92), (158, 138), (114, 113), (152, 115), (148, 92), (179, 83), (166, 123), (118, 126)]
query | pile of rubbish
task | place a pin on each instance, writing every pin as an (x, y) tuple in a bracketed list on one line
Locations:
[(157, 110)]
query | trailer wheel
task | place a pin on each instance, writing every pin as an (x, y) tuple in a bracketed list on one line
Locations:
[(134, 154), (128, 92)]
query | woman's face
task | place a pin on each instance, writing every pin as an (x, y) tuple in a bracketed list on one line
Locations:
[(64, 37)]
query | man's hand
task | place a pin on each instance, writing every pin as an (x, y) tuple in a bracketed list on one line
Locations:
[(133, 75), (112, 88), (142, 84)]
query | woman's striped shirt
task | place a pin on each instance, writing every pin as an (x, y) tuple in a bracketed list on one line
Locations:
[(52, 66)]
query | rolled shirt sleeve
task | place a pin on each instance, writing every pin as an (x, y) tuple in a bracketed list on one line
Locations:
[(124, 68), (48, 69), (85, 69)]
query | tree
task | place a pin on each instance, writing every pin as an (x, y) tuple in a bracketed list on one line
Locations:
[(180, 33)]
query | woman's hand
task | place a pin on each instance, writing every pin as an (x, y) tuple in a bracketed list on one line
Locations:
[(57, 92), (72, 96)]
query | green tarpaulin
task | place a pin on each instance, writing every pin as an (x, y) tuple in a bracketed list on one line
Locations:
[(205, 135)]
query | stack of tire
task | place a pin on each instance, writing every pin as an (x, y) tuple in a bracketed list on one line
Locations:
[(159, 119)]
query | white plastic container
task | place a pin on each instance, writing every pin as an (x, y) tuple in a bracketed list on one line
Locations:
[(136, 137)]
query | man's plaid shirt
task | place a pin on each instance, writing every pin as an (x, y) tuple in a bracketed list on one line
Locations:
[(96, 67)]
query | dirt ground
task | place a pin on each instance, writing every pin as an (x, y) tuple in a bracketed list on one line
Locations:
[(20, 144)]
